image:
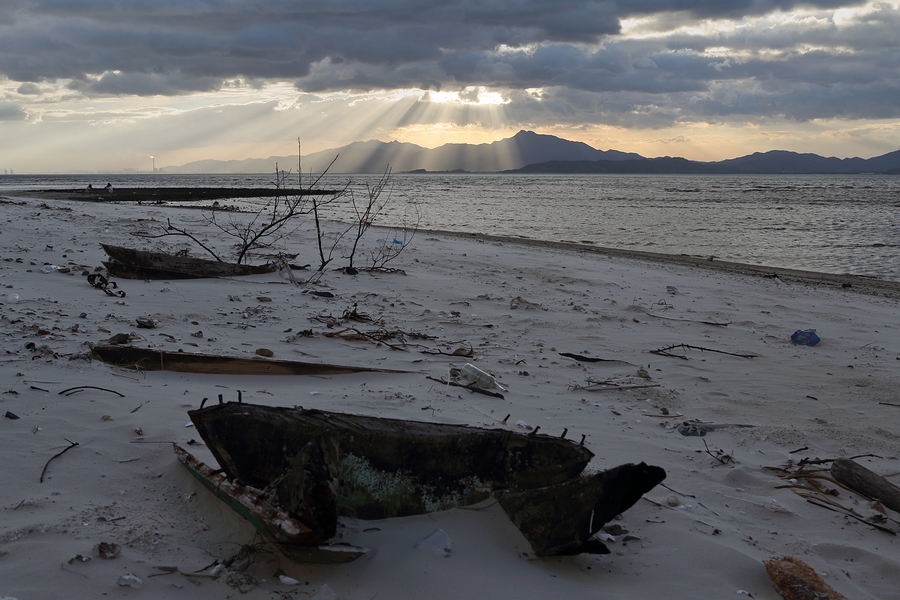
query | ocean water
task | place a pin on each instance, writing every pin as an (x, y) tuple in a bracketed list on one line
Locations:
[(826, 223)]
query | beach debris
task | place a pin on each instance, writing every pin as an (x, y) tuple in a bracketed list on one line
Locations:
[(146, 323), (479, 378), (810, 484), (582, 358), (699, 429), (80, 388), (264, 352), (54, 269), (720, 455), (378, 336), (107, 550), (130, 263), (866, 482), (130, 580), (795, 580), (11, 416), (316, 464), (520, 302), (57, 455), (468, 386), (613, 384), (122, 339), (665, 351), (805, 337), (320, 294), (151, 359), (437, 542), (79, 558), (101, 282), (325, 593)]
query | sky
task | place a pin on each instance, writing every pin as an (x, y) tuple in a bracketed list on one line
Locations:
[(112, 85)]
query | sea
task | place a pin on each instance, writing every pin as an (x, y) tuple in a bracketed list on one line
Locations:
[(840, 224)]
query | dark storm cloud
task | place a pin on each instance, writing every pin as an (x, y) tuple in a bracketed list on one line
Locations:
[(169, 47), (12, 112)]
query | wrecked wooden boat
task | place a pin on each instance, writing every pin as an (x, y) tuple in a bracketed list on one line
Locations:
[(155, 359), (317, 466), (288, 534), (131, 263)]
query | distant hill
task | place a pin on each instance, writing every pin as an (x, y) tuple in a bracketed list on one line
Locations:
[(775, 162), (529, 152), (666, 165), (524, 148)]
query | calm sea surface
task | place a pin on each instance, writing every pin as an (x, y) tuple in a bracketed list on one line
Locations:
[(826, 223)]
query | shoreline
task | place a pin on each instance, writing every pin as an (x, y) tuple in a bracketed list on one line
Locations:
[(858, 283), (864, 284)]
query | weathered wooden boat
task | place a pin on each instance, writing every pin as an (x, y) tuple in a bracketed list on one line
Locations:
[(289, 535), (155, 359), (131, 263), (317, 465)]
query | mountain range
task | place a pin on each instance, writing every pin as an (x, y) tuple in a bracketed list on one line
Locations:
[(529, 152)]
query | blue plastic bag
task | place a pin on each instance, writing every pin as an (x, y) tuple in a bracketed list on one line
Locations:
[(805, 337)]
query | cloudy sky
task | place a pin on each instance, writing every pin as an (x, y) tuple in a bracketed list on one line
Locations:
[(106, 84)]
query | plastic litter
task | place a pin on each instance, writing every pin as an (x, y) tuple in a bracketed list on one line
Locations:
[(805, 337), (479, 378), (131, 580), (12, 298), (325, 593), (437, 543)]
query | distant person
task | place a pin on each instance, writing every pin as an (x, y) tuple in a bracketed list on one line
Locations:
[(89, 189), (109, 188)]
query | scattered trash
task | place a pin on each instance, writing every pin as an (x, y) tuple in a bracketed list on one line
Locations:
[(671, 289), (11, 416), (288, 580), (805, 337), (54, 269), (479, 378), (146, 323), (437, 543), (12, 298), (264, 352), (107, 550), (325, 593), (318, 293), (131, 580), (79, 558)]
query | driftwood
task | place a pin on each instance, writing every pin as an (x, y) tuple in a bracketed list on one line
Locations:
[(130, 263), (57, 455), (148, 359), (469, 386), (866, 482), (665, 351), (317, 465)]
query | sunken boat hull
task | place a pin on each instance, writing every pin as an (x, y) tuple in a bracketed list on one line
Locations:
[(312, 462), (131, 263), (154, 359)]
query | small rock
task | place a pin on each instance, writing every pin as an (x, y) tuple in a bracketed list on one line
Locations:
[(264, 352)]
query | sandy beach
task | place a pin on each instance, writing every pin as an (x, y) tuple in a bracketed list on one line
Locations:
[(701, 346)]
